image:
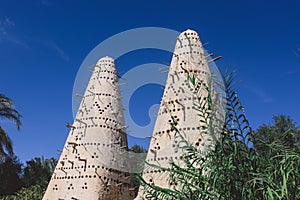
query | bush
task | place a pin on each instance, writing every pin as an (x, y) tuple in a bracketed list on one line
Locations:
[(233, 169)]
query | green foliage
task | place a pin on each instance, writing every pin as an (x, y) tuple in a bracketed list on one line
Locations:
[(138, 149), (38, 170), (233, 169), (10, 170), (232, 161), (140, 155), (7, 111), (33, 178), (283, 131), (279, 162), (35, 192)]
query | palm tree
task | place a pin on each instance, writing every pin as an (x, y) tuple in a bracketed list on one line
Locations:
[(7, 111), (38, 171)]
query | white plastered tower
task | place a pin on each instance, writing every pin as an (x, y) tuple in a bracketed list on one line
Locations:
[(93, 164), (178, 105)]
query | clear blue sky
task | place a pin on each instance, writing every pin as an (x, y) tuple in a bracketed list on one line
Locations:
[(43, 43)]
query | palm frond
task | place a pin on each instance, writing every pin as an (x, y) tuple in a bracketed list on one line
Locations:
[(8, 112), (5, 144)]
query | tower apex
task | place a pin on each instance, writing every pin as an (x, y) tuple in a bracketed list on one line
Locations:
[(189, 32), (105, 59)]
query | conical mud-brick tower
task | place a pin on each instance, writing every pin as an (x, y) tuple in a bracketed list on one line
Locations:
[(178, 105), (93, 164)]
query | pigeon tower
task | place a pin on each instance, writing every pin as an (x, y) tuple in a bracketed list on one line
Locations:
[(93, 164), (178, 104)]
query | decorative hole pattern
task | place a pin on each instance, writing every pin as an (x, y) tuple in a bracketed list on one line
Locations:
[(178, 108), (94, 151)]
